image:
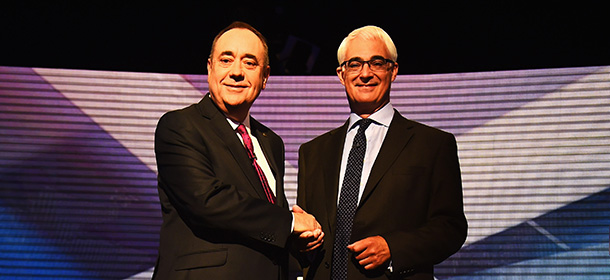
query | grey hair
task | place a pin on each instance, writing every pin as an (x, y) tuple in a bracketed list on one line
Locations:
[(368, 32)]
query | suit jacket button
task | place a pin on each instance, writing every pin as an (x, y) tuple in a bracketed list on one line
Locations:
[(326, 265)]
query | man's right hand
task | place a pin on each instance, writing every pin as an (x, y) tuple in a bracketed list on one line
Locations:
[(309, 230), (303, 221)]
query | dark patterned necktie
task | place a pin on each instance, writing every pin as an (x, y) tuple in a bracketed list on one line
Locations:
[(241, 129), (348, 202)]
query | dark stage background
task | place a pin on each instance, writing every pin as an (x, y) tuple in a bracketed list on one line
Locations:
[(175, 38)]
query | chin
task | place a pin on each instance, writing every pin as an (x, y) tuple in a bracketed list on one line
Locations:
[(234, 103), (367, 98)]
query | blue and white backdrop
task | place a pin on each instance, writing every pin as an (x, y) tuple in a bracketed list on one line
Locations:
[(78, 197)]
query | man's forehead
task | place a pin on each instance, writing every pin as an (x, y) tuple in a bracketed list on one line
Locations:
[(238, 39), (366, 49)]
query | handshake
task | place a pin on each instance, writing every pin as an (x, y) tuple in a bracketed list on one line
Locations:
[(308, 230)]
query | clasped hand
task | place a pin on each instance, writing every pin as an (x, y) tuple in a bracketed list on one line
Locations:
[(309, 231), (371, 252)]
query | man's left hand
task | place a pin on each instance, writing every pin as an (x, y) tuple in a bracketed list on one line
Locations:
[(371, 252)]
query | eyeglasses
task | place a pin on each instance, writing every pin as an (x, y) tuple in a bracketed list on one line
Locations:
[(376, 64)]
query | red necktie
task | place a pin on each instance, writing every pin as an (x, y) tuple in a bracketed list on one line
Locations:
[(241, 129)]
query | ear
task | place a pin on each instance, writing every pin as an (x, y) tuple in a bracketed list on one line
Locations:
[(341, 75), (394, 71), (209, 65), (266, 72)]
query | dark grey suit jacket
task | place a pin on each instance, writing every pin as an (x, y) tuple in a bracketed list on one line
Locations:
[(217, 223), (413, 198)]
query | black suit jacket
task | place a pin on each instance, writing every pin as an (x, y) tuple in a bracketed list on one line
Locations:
[(217, 223), (413, 199)]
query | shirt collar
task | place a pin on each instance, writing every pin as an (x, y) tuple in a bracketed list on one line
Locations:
[(246, 122), (382, 117)]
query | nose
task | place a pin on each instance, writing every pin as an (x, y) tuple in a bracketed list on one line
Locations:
[(236, 72), (366, 74)]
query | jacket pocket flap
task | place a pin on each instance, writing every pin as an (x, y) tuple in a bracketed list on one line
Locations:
[(201, 259)]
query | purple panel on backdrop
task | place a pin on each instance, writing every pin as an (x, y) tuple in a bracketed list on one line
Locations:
[(57, 150), (71, 183), (301, 108)]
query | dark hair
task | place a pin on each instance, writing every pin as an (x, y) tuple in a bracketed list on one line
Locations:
[(243, 25)]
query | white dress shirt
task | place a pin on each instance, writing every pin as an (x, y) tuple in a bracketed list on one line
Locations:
[(375, 134), (260, 158), (258, 152)]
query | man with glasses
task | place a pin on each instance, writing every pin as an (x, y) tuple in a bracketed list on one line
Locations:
[(386, 190)]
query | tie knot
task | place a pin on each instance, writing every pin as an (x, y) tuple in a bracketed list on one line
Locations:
[(241, 129), (364, 124)]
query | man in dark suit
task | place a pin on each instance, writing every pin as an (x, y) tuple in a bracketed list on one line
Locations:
[(386, 190), (221, 172)]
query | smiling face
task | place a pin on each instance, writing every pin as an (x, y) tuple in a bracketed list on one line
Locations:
[(367, 90), (237, 72)]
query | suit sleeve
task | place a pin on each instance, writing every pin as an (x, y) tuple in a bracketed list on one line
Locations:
[(304, 259), (445, 230), (301, 190), (188, 176)]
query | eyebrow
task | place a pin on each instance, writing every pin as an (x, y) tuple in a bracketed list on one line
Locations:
[(372, 57), (227, 53), (247, 55)]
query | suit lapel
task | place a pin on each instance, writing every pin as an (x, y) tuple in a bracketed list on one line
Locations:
[(399, 134), (263, 140), (260, 132), (331, 155), (227, 135)]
